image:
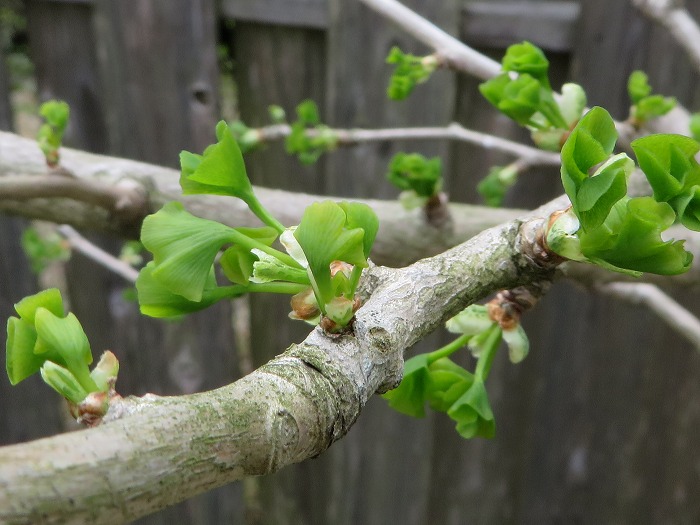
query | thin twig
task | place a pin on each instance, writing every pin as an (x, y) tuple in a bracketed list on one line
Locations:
[(677, 20), (97, 254), (667, 308), (460, 57), (451, 52), (350, 137)]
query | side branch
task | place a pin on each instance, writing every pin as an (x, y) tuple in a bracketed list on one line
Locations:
[(450, 51), (351, 137), (157, 451)]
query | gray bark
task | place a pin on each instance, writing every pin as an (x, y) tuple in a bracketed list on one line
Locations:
[(156, 451)]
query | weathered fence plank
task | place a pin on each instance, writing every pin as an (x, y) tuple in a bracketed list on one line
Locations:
[(55, 30), (153, 70), (358, 42), (550, 25), (5, 109), (289, 13), (158, 59)]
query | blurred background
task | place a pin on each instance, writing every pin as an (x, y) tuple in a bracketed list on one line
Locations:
[(599, 424)]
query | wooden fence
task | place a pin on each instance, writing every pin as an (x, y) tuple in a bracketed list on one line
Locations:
[(598, 425)]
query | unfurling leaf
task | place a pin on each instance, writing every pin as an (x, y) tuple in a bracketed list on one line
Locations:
[(668, 161), (409, 71), (526, 58), (494, 186), (473, 413), (412, 171), (328, 233), (630, 240), (591, 143)]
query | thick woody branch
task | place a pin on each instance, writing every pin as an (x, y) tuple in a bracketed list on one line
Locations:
[(157, 451), (677, 20), (405, 236), (124, 201)]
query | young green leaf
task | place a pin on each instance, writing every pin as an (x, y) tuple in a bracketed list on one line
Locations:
[(687, 206), (471, 321), (652, 107), (646, 106), (156, 300), (410, 71), (526, 58), (473, 413), (447, 382), (324, 236), (630, 239), (309, 147), (638, 86), (591, 143), (44, 248), (415, 172), (50, 134), (495, 185), (519, 99), (668, 161), (41, 334), (410, 396), (50, 299), (572, 103), (184, 248), (64, 382), (359, 215), (20, 359), (219, 171)]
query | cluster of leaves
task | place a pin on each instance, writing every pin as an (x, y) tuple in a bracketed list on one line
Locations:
[(646, 106), (446, 387), (419, 178), (523, 93), (409, 71), (607, 227), (309, 138), (44, 339), (50, 135), (43, 248), (495, 185), (326, 252)]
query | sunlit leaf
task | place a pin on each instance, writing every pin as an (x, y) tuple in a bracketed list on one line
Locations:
[(184, 248)]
